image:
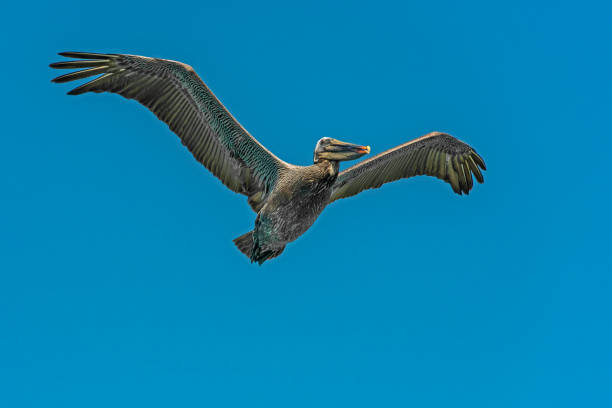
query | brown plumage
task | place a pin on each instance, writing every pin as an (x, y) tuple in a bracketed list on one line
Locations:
[(435, 154), (287, 198), (178, 97)]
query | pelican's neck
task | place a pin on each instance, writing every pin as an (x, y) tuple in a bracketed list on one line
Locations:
[(330, 166)]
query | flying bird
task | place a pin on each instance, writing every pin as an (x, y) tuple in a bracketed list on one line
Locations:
[(287, 198)]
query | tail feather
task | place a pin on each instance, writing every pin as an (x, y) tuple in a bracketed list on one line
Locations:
[(245, 243), (247, 246), (260, 256)]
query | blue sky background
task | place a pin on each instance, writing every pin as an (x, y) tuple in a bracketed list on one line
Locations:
[(120, 285)]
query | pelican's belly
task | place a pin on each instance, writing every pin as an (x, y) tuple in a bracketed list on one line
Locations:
[(302, 216), (287, 222), (287, 216), (293, 206)]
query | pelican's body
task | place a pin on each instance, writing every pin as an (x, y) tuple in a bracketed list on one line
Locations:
[(292, 207), (287, 198)]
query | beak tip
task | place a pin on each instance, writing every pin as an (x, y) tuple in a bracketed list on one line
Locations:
[(367, 149)]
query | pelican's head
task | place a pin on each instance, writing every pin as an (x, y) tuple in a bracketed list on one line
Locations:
[(332, 149)]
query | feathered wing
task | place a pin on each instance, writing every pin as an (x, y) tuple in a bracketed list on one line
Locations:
[(178, 97), (435, 154)]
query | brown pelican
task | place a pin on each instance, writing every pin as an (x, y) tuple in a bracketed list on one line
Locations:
[(287, 198)]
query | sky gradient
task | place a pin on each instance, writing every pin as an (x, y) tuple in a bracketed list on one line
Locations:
[(120, 284)]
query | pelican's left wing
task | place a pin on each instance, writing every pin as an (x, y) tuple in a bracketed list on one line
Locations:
[(435, 154), (177, 96)]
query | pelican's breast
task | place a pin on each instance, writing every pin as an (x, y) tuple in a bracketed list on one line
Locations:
[(297, 200)]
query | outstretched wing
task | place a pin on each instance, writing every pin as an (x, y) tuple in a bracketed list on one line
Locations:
[(435, 154), (178, 97)]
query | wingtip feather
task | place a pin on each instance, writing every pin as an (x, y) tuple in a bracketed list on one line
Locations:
[(84, 55), (472, 165), (479, 160), (85, 73), (79, 64)]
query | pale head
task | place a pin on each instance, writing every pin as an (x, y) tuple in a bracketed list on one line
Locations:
[(335, 150)]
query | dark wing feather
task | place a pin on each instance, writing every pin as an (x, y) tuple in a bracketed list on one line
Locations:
[(435, 154), (178, 97)]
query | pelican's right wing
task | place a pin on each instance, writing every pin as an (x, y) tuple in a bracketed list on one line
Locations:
[(178, 97), (435, 154)]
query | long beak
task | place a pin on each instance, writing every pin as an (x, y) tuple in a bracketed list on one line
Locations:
[(340, 151)]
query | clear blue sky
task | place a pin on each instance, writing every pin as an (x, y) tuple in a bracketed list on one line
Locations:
[(120, 285)]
